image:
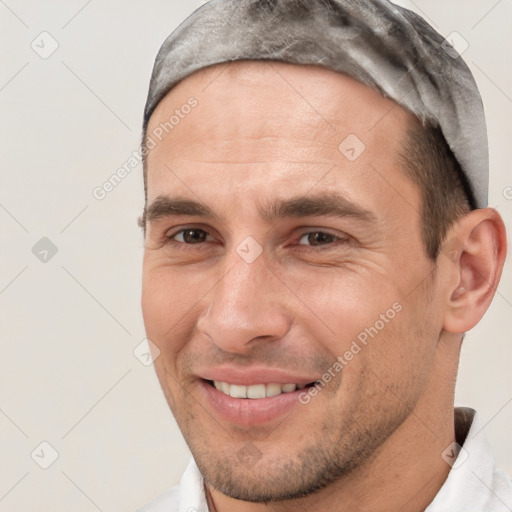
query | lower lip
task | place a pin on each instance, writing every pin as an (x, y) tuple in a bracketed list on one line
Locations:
[(249, 411)]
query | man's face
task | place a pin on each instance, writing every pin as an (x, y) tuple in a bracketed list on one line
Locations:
[(247, 299)]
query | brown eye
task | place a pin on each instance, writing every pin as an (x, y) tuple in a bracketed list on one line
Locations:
[(318, 238), (189, 236)]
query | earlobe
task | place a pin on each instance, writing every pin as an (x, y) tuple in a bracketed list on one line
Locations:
[(478, 263)]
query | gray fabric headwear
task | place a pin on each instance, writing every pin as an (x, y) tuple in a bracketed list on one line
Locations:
[(376, 42)]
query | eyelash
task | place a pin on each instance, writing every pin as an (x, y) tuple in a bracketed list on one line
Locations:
[(335, 242)]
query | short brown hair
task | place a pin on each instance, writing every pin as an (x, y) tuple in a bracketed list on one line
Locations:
[(445, 192)]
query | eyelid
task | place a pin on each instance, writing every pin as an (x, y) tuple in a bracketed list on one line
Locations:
[(325, 231), (338, 239), (183, 227)]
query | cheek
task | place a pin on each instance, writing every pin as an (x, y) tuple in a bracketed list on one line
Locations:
[(167, 309), (154, 303), (371, 324), (401, 356), (352, 306)]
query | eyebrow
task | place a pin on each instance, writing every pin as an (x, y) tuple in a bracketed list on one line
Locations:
[(321, 204)]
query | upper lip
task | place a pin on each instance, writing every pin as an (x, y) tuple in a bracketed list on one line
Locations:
[(254, 375)]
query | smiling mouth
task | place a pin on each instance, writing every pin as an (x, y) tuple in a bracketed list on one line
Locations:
[(256, 391)]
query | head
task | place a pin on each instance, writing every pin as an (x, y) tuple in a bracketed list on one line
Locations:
[(299, 225)]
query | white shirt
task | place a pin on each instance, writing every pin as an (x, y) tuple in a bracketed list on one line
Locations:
[(473, 484)]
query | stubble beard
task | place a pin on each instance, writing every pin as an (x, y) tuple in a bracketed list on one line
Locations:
[(328, 456)]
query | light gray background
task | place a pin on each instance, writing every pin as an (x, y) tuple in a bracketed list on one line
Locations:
[(68, 375)]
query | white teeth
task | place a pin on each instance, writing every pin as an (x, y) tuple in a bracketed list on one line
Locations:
[(273, 389), (237, 391), (256, 390)]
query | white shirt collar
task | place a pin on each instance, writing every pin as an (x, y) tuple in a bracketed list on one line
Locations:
[(473, 484)]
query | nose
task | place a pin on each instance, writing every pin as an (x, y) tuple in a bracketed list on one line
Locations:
[(246, 307)]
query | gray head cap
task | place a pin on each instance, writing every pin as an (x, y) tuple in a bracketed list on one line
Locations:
[(376, 42)]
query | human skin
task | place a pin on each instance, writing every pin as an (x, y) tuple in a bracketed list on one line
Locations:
[(372, 438)]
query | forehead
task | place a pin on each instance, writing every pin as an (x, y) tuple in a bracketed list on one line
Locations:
[(322, 97), (260, 123)]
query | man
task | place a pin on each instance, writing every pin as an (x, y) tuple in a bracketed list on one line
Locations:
[(317, 242)]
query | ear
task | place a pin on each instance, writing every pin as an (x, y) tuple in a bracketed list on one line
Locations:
[(476, 246)]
